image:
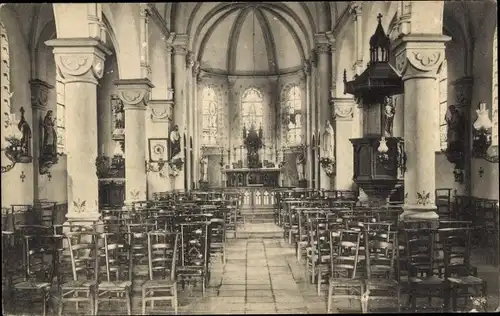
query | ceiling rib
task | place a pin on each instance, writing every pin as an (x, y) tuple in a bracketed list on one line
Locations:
[(233, 39), (272, 55)]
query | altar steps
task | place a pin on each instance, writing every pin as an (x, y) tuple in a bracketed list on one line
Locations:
[(259, 231), (258, 216)]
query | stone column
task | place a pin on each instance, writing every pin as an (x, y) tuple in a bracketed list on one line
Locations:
[(135, 94), (196, 121), (80, 61), (323, 50), (313, 117), (357, 14), (39, 96), (418, 58), (343, 115), (180, 111), (190, 115), (308, 125), (168, 61)]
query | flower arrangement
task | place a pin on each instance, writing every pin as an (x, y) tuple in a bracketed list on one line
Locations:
[(176, 166), (328, 165)]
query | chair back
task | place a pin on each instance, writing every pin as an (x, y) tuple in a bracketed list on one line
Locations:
[(114, 257), (194, 244), (344, 249), (162, 254), (38, 259), (380, 254), (83, 252), (420, 251)]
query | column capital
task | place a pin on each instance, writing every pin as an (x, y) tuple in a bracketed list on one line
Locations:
[(180, 50), (419, 55), (161, 110), (231, 81), (169, 48), (134, 93), (356, 9), (322, 48), (343, 108), (79, 59), (39, 93)]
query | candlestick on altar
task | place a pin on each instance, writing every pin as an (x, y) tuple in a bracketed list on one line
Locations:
[(234, 154), (241, 153), (229, 156)]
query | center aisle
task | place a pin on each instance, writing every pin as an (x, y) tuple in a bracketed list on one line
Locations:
[(261, 276)]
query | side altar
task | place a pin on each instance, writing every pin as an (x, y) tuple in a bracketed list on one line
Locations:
[(248, 177)]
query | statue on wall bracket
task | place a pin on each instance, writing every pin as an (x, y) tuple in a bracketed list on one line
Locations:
[(176, 160), (389, 112), (48, 148), (327, 159), (456, 133)]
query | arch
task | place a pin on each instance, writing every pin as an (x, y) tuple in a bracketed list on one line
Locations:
[(234, 37), (210, 109), (252, 107), (291, 107)]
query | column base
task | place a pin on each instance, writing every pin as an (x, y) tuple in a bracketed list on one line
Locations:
[(84, 219), (418, 213)]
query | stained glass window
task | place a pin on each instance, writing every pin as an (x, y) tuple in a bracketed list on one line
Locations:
[(251, 108), (5, 70), (210, 116), (292, 114), (443, 105), (494, 99), (60, 114)]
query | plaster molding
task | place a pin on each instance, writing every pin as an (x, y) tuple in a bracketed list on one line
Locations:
[(161, 110), (134, 93), (306, 64), (196, 69), (39, 93), (79, 59), (343, 108), (157, 18), (322, 48), (417, 54), (180, 50)]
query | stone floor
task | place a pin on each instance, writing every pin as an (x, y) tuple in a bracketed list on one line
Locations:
[(262, 276)]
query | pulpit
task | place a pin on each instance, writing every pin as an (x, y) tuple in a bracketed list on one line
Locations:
[(379, 157)]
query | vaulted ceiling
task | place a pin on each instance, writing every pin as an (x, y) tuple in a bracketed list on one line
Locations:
[(260, 38)]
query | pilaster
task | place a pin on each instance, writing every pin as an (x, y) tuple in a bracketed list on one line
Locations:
[(418, 58), (135, 94), (80, 62), (343, 109)]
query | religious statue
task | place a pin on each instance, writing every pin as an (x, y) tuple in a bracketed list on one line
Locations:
[(49, 145), (253, 142), (301, 161), (204, 168), (328, 141), (119, 119), (25, 129), (389, 112), (175, 142), (456, 129)]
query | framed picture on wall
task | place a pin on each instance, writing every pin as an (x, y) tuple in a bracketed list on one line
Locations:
[(158, 149)]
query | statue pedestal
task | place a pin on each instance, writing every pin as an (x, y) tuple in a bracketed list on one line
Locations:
[(303, 183), (203, 185)]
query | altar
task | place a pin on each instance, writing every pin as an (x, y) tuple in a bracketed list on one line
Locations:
[(248, 177)]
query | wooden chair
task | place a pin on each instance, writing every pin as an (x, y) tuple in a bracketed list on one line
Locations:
[(218, 234), (38, 264), (82, 247), (381, 283), (194, 254), (444, 204), (113, 279), (460, 275), (345, 251), (162, 258), (423, 266)]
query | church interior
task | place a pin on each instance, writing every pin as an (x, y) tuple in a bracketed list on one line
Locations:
[(249, 157)]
